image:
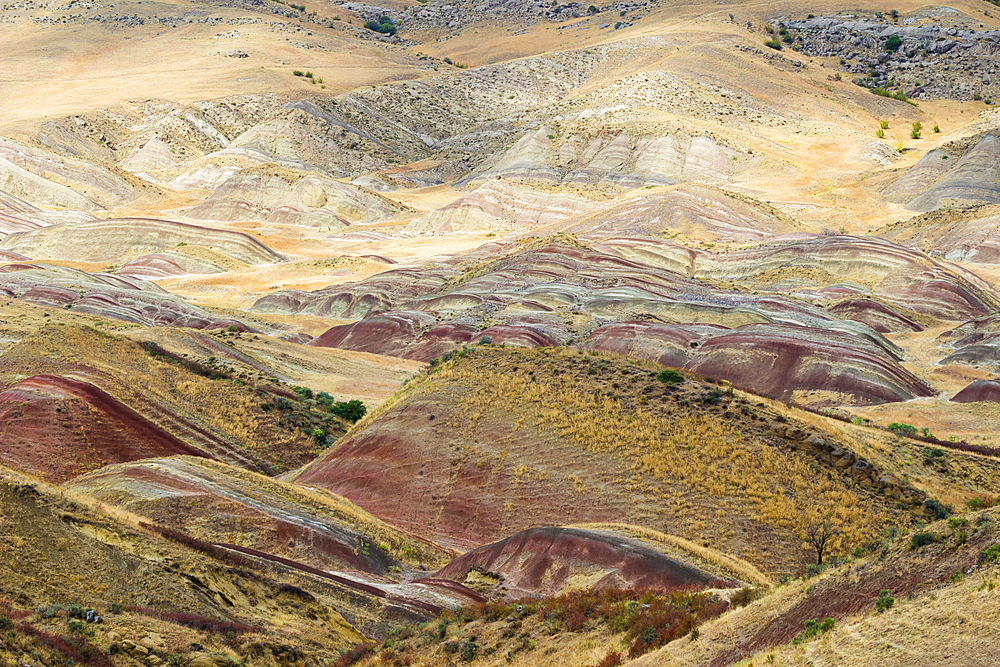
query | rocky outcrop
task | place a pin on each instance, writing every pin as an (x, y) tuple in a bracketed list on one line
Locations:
[(782, 361), (311, 200), (788, 362), (498, 205), (692, 211), (942, 54)]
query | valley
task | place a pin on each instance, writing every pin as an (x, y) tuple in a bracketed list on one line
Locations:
[(498, 333)]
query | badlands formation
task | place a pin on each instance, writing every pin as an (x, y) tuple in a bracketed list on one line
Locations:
[(501, 333)]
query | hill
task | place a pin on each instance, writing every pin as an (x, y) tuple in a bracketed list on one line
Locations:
[(498, 439)]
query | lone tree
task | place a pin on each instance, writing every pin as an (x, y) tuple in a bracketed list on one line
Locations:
[(893, 43), (819, 535)]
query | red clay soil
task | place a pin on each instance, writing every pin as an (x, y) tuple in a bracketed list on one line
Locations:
[(667, 344), (543, 561), (404, 471), (982, 390), (56, 427), (776, 360)]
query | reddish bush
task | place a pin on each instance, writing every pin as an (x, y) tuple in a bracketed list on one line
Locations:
[(353, 655), (612, 659), (76, 649)]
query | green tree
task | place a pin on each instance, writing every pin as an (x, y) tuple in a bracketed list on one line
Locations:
[(892, 43)]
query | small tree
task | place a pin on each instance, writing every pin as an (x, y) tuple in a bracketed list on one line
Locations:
[(915, 132), (892, 43), (819, 536), (592, 9)]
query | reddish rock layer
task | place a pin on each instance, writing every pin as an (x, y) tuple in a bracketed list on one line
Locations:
[(545, 561), (780, 360), (878, 316), (983, 390), (57, 427)]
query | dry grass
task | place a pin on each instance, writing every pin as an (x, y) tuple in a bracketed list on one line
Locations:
[(726, 565), (659, 446)]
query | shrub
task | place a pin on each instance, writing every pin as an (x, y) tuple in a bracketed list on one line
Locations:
[(979, 503), (670, 376), (744, 596), (897, 95), (892, 43), (905, 429), (884, 124), (919, 540), (915, 132), (884, 601), (350, 411), (773, 44), (384, 25), (612, 659), (991, 554), (354, 654), (593, 9), (937, 128), (297, 72), (813, 629), (880, 133)]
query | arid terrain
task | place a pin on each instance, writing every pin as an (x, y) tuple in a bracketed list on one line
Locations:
[(499, 333)]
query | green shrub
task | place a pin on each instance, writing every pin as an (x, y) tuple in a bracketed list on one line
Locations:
[(892, 43), (904, 429), (813, 629), (884, 124), (919, 540), (979, 503), (670, 376), (991, 554), (884, 601), (915, 132), (298, 72), (897, 95), (350, 411), (937, 129), (880, 133), (384, 25), (773, 44)]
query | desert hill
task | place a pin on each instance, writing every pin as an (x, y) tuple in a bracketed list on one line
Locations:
[(491, 333)]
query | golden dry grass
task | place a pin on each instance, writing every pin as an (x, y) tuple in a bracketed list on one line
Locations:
[(700, 451), (696, 553)]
